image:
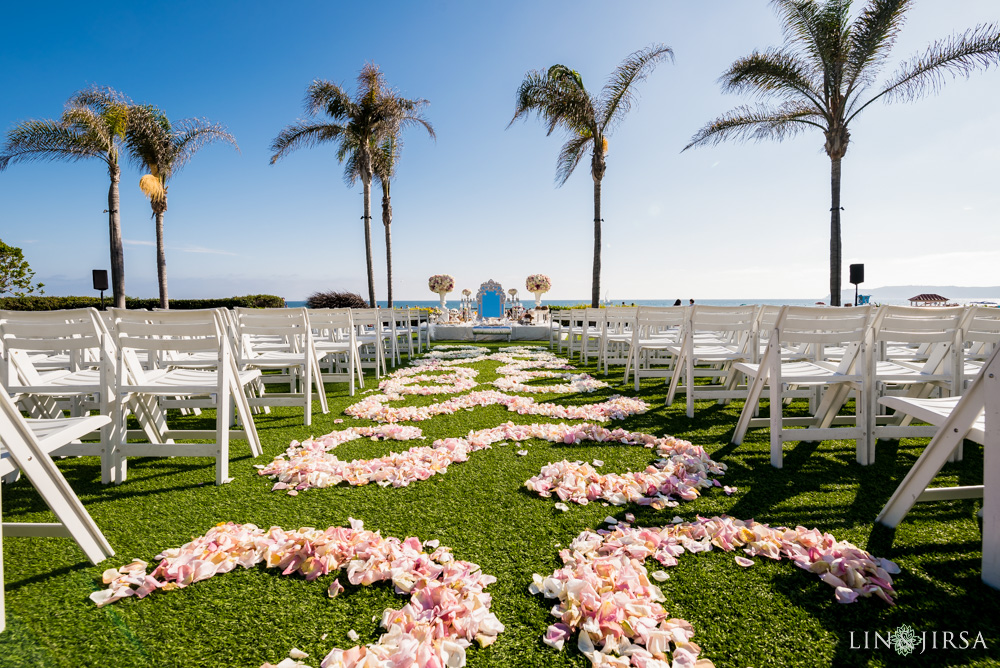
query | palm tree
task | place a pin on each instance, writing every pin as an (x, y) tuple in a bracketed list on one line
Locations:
[(822, 75), (384, 159), (376, 112), (162, 149), (559, 98), (93, 125)]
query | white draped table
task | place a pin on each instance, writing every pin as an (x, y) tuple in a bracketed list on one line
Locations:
[(463, 332)]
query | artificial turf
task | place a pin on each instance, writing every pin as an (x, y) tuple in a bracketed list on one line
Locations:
[(772, 614)]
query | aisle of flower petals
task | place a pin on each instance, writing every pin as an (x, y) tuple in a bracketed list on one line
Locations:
[(604, 589)]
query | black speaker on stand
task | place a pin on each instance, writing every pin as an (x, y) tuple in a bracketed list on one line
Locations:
[(101, 283), (857, 276)]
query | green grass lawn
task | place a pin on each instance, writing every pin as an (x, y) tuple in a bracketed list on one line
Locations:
[(772, 614)]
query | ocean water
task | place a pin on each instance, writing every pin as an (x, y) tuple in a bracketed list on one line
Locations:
[(455, 303)]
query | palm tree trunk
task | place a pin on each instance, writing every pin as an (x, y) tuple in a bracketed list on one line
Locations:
[(835, 246), (595, 295), (161, 261), (115, 229), (387, 221), (368, 240)]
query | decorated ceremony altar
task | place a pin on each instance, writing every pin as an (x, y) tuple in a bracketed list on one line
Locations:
[(507, 332)]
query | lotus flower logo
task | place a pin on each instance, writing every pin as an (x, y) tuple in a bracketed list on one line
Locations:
[(905, 640)]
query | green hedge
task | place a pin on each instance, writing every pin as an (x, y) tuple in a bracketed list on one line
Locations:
[(60, 303)]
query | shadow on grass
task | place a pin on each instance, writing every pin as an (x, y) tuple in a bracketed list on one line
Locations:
[(48, 575)]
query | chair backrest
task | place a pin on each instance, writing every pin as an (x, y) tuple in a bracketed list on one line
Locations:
[(166, 335), (728, 321), (365, 318), (620, 319), (726, 325), (283, 329), (981, 332), (660, 321), (915, 333), (331, 323), (30, 338), (815, 329)]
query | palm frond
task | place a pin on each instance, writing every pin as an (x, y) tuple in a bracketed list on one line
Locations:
[(326, 96), (39, 140), (618, 93), (371, 83), (352, 164), (558, 100), (758, 123), (571, 154), (818, 32), (304, 134), (100, 98), (111, 106), (773, 73), (193, 134), (873, 35), (957, 55), (91, 124), (385, 157)]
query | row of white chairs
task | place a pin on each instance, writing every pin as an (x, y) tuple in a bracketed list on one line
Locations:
[(146, 362), (858, 352), (141, 363), (940, 366)]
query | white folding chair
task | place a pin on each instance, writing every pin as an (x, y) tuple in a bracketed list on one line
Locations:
[(85, 383), (336, 344), (559, 320), (980, 336), (161, 335), (423, 328), (714, 338), (23, 450), (656, 331), (281, 339), (387, 322), (371, 338), (974, 416), (919, 353), (405, 329), (798, 326), (592, 333), (616, 337)]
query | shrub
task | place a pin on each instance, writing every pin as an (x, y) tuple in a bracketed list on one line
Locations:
[(60, 303), (334, 299)]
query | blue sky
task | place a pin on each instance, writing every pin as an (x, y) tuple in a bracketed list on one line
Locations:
[(734, 221)]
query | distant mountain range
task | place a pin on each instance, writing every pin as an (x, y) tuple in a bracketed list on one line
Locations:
[(907, 291)]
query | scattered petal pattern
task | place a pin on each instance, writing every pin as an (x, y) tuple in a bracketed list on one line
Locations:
[(448, 608), (616, 408), (683, 472), (605, 593)]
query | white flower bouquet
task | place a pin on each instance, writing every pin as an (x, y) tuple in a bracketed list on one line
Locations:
[(538, 284)]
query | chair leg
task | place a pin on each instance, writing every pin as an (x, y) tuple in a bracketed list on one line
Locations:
[(755, 388), (222, 436), (777, 437), (307, 390)]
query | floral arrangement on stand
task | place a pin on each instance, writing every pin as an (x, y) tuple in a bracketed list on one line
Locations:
[(466, 304), (538, 284), (441, 284)]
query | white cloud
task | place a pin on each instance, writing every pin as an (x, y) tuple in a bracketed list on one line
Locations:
[(201, 249)]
